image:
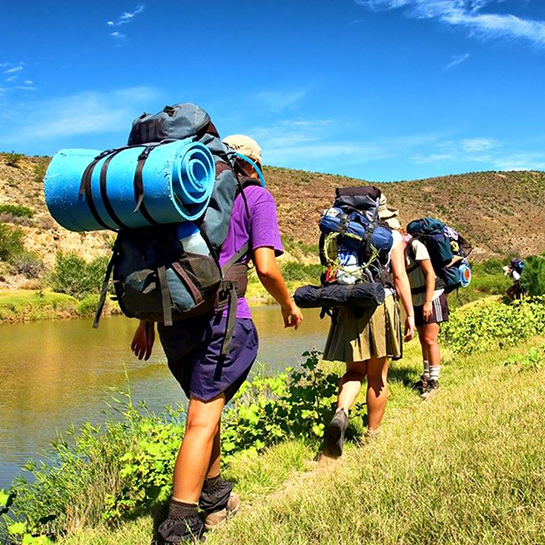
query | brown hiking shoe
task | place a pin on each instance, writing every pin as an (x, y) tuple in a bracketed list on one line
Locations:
[(213, 520), (431, 389)]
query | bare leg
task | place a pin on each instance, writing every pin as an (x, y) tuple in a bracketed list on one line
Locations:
[(350, 385), (377, 390), (429, 340), (195, 457), (214, 467), (425, 354)]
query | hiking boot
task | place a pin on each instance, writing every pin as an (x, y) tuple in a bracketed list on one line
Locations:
[(421, 385), (218, 501), (334, 437), (217, 518), (181, 529), (431, 389)]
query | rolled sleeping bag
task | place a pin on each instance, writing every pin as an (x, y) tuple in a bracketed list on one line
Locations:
[(177, 178), (335, 295), (335, 220)]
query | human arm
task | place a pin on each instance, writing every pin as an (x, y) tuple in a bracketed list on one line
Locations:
[(270, 276), (429, 273), (403, 288), (143, 340)]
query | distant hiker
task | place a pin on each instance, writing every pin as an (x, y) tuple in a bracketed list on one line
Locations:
[(194, 353), (514, 270), (365, 275), (436, 265)]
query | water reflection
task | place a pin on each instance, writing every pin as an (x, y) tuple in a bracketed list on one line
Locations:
[(54, 374)]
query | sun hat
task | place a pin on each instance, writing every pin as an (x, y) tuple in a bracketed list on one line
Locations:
[(244, 145), (387, 214)]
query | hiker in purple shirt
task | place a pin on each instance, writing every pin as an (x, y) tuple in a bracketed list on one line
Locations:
[(193, 351)]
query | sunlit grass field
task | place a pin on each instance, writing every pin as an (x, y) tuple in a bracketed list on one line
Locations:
[(466, 467)]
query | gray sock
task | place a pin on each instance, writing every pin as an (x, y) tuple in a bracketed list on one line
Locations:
[(179, 510), (434, 372), (426, 373)]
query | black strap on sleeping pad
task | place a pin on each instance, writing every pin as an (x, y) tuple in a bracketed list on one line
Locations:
[(165, 295), (104, 192), (139, 185), (86, 189), (105, 284)]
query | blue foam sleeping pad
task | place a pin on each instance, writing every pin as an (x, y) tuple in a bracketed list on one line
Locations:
[(178, 180)]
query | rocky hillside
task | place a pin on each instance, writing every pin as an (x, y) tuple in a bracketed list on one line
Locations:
[(499, 212)]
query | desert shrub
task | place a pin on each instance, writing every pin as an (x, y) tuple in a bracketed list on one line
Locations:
[(76, 277), (40, 169), (533, 276), (12, 159), (11, 241), (88, 305), (16, 210), (28, 264)]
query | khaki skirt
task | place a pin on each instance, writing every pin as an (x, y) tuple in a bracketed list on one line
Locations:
[(358, 335)]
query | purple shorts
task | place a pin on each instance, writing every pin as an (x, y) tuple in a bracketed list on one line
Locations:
[(193, 349)]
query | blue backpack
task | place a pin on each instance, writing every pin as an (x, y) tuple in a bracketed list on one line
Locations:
[(448, 252)]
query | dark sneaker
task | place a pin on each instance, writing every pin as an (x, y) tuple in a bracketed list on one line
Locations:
[(334, 437), (217, 518), (431, 389), (182, 530), (421, 385)]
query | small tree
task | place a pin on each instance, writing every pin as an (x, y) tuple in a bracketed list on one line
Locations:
[(12, 159), (533, 276), (11, 241)]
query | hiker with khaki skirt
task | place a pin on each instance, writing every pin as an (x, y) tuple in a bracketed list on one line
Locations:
[(366, 339)]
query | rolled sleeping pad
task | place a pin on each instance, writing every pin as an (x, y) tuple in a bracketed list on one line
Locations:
[(335, 295), (178, 179), (335, 220)]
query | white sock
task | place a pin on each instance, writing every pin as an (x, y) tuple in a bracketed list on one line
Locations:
[(426, 373), (434, 372)]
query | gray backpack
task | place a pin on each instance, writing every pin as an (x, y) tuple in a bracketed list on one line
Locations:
[(157, 277)]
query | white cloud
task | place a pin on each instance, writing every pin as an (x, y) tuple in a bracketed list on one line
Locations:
[(13, 70), (479, 144), (84, 113), (456, 60), (467, 14), (11, 78), (29, 82), (127, 17)]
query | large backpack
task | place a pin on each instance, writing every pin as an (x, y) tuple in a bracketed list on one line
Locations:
[(448, 252), (354, 249), (168, 273)]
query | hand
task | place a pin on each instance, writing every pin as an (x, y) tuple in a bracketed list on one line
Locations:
[(409, 328), (427, 311), (142, 342), (292, 316)]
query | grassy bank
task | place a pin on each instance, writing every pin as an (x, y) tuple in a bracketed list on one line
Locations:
[(467, 467), (32, 305)]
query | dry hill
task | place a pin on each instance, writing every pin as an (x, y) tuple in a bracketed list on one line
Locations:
[(499, 212)]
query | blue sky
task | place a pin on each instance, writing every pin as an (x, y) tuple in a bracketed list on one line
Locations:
[(375, 89)]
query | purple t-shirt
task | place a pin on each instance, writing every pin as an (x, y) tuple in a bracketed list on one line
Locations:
[(262, 225)]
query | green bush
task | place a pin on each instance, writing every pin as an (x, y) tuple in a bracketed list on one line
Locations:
[(88, 305), (293, 271), (40, 169), (76, 277), (533, 275), (489, 324), (11, 241), (16, 210)]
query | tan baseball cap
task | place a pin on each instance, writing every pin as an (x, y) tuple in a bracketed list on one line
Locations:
[(245, 145)]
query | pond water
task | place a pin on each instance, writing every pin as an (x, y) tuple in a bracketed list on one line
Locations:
[(57, 373)]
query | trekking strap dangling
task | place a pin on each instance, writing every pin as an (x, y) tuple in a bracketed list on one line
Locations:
[(165, 295), (105, 285)]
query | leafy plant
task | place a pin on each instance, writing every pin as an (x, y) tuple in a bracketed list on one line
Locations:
[(299, 272), (489, 324), (534, 360), (11, 241), (533, 276), (76, 277), (28, 264)]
